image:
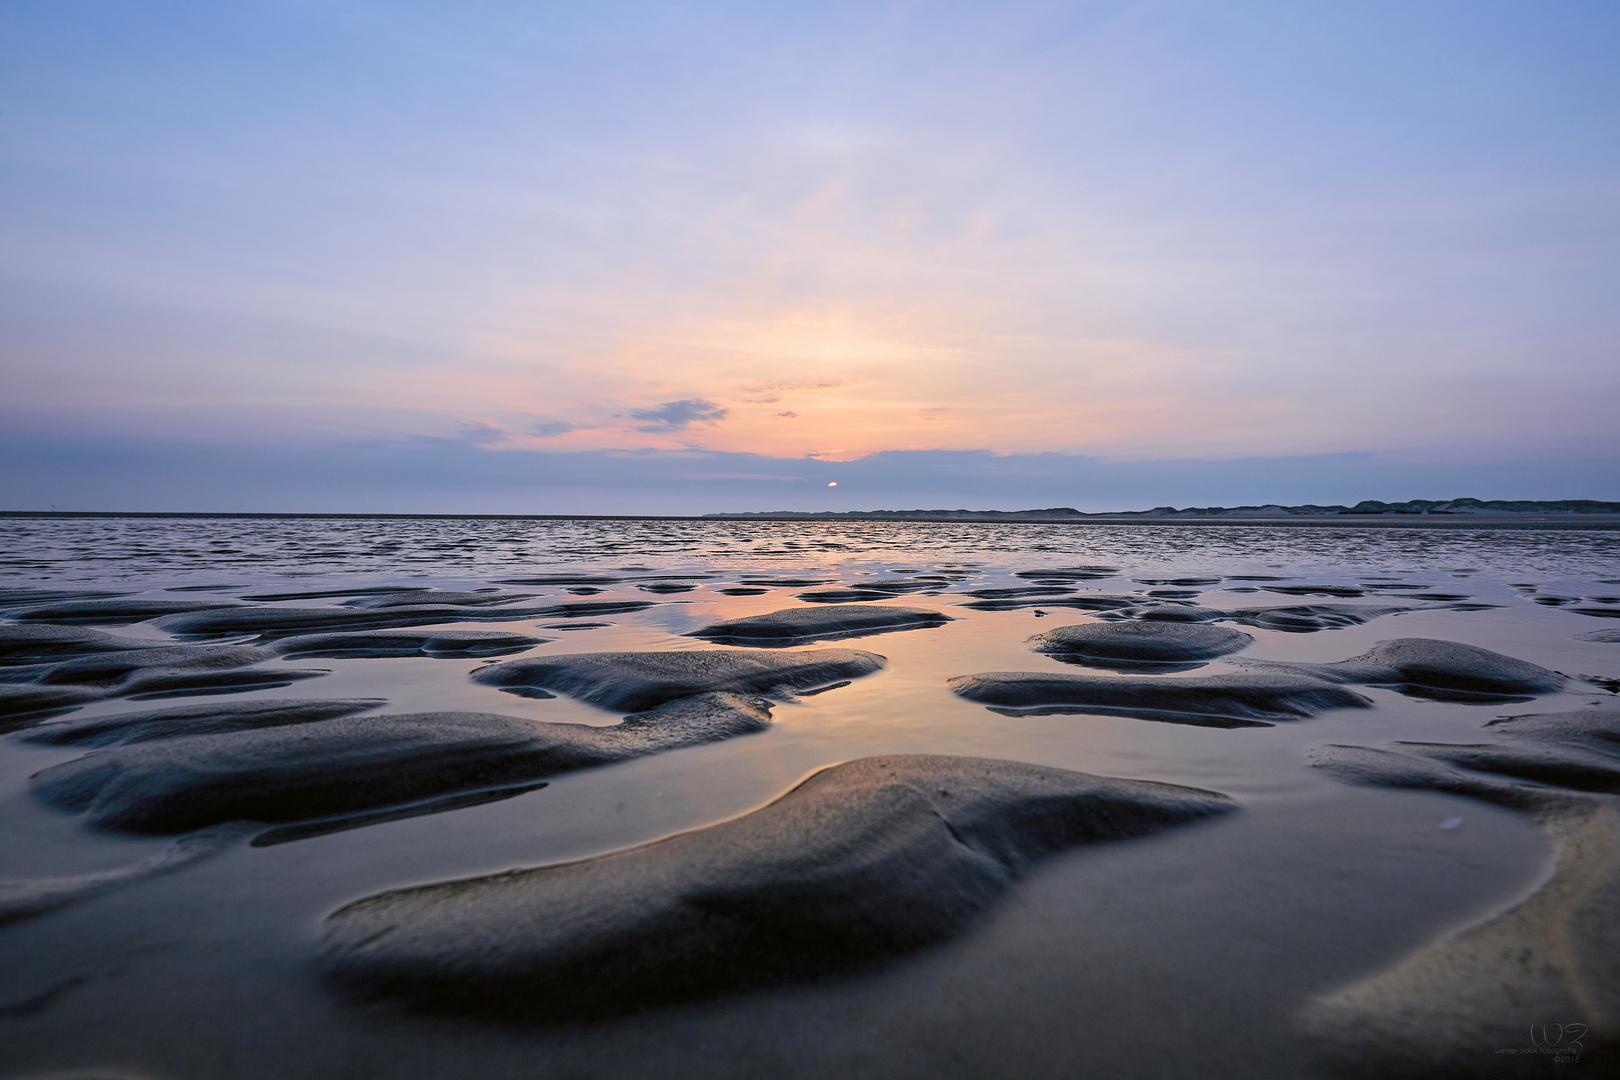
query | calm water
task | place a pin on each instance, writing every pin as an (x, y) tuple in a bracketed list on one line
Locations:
[(140, 550)]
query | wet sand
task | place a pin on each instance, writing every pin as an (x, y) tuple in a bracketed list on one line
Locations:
[(600, 799)]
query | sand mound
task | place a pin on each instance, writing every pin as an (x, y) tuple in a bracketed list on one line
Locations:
[(792, 626), (355, 764), (1167, 611), (1165, 642), (632, 681), (842, 596), (1451, 665), (1572, 767), (861, 863), (480, 598), (1427, 667), (111, 612), (1596, 727), (1309, 618), (321, 594), (109, 670), (441, 644), (283, 622), (162, 672), (1215, 701), (1069, 573), (184, 682), (579, 609), (216, 718), (1293, 618), (35, 644)]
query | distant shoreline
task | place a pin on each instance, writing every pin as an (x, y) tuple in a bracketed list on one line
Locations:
[(1381, 520)]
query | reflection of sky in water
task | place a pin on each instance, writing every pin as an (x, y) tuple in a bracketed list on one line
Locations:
[(680, 617)]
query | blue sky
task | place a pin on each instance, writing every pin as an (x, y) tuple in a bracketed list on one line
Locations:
[(634, 257)]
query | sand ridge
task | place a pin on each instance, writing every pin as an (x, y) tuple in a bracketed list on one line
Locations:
[(861, 863), (791, 626), (315, 768)]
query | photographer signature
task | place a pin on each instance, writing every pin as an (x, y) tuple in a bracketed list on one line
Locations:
[(1565, 1037)]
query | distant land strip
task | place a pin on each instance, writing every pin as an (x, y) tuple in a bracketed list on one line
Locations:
[(1426, 513), (1367, 508)]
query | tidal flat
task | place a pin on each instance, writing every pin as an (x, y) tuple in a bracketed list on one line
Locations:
[(588, 798)]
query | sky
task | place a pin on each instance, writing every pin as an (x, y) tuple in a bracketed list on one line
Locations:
[(630, 257)]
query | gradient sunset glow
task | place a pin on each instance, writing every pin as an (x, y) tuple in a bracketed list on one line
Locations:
[(1104, 248)]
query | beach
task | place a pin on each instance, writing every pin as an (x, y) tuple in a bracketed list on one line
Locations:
[(420, 797)]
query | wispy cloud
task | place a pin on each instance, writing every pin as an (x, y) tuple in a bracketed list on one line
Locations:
[(772, 393)]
